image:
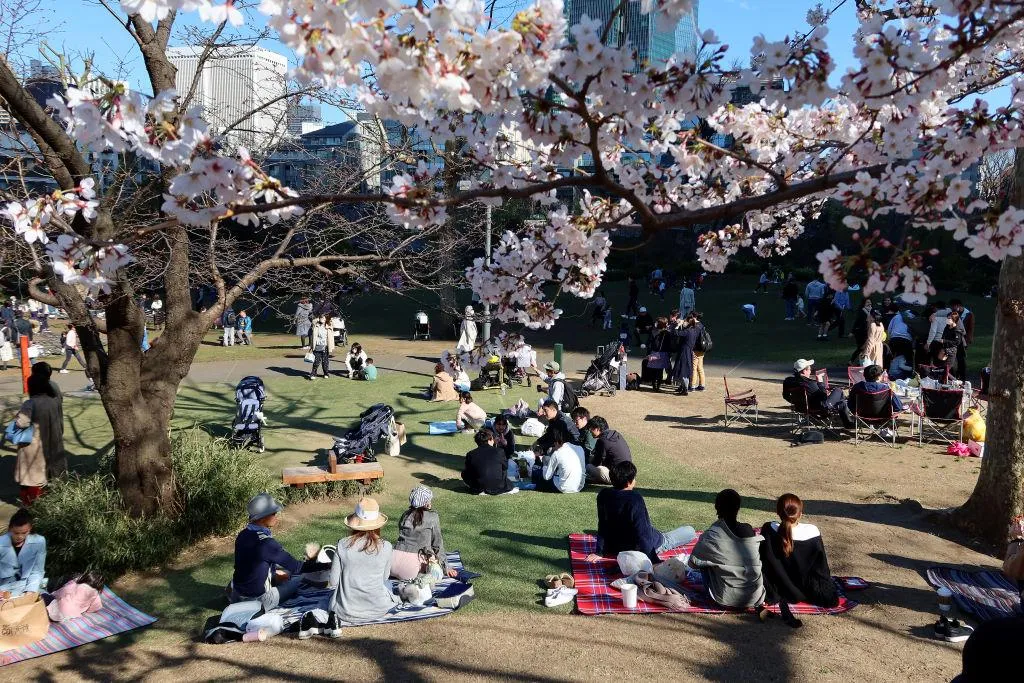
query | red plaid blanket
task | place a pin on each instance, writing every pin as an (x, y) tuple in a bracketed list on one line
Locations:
[(597, 596)]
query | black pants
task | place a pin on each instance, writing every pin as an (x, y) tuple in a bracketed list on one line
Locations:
[(840, 322), (321, 359), (543, 485), (632, 306), (835, 403)]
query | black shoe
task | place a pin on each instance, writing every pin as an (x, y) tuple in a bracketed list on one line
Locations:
[(682, 392), (331, 628), (700, 388), (957, 632), (309, 626)]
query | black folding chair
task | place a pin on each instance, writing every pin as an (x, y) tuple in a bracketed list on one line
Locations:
[(941, 412), (804, 415), (873, 411)]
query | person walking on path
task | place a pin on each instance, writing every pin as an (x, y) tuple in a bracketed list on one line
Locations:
[(71, 349), (229, 320), (304, 322), (814, 292)]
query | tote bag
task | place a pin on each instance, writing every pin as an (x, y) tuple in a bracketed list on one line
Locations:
[(23, 621)]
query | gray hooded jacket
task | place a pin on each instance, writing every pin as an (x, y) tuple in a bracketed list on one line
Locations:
[(730, 565)]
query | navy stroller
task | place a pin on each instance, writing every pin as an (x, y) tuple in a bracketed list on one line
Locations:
[(375, 423), (601, 376), (247, 428)]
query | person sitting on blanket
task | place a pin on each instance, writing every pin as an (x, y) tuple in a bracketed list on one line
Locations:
[(580, 418), (486, 468), (871, 385), (22, 557), (562, 471), (727, 556), (362, 567), (623, 523), (470, 415), (557, 421), (793, 561), (504, 437), (443, 386), (610, 449), (419, 528), (257, 554), (76, 597), (818, 397)]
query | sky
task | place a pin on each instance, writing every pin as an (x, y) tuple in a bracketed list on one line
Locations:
[(84, 26)]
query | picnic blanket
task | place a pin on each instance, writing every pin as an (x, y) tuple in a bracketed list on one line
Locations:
[(309, 599), (597, 596), (443, 428), (985, 595), (116, 616)]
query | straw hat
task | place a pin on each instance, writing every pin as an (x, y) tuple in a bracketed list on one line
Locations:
[(367, 516)]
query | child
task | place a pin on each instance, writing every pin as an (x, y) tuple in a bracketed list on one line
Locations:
[(801, 307), (470, 416), (370, 371), (750, 311), (607, 323), (76, 597)]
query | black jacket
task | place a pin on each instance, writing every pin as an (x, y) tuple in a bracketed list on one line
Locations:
[(486, 470), (816, 394), (506, 442), (610, 449), (804, 575), (547, 440)]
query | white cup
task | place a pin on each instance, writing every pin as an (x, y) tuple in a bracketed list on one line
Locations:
[(629, 595)]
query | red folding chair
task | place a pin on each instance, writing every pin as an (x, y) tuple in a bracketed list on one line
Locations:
[(742, 405)]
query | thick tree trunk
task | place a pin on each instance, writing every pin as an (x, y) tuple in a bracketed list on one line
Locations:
[(142, 466), (998, 496)]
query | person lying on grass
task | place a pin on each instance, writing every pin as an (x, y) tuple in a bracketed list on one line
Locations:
[(623, 523), (728, 557), (562, 471), (470, 415), (419, 528), (794, 562)]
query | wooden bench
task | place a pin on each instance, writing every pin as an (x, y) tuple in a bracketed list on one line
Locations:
[(365, 472)]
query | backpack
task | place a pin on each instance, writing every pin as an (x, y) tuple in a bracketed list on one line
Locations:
[(704, 342), (570, 399), (232, 319)]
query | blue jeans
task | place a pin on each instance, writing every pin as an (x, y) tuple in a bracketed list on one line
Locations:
[(790, 308), (676, 537)]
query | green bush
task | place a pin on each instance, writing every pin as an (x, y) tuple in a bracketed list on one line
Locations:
[(86, 526)]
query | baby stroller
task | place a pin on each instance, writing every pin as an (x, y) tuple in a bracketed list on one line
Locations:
[(602, 376), (247, 428), (375, 423), (339, 331), (517, 365), (492, 374), (421, 326)]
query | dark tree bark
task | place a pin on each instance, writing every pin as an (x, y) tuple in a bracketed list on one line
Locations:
[(998, 496)]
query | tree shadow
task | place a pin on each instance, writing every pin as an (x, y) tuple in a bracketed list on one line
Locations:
[(288, 372)]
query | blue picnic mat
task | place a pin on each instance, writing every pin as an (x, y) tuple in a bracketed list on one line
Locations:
[(985, 595), (443, 428), (116, 616)]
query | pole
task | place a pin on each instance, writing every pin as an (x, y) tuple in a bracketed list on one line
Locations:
[(26, 363), (487, 258)]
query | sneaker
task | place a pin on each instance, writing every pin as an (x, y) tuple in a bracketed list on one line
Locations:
[(559, 596), (64, 372), (331, 628), (309, 626), (957, 632), (700, 388)]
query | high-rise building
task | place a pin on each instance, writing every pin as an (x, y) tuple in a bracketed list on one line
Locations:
[(653, 41), (240, 88), (303, 118)]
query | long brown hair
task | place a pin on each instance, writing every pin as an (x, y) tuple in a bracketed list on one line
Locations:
[(370, 538), (789, 508)]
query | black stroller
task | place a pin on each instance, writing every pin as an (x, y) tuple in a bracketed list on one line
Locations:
[(375, 423), (247, 428), (601, 376), (421, 326)]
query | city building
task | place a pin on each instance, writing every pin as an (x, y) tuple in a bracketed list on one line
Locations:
[(240, 91), (303, 118), (653, 41)]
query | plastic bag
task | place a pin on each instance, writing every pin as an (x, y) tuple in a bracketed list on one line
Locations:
[(308, 357), (533, 427), (974, 426), (633, 561)]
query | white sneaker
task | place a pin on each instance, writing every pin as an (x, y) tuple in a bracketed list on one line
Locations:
[(559, 596), (64, 372)]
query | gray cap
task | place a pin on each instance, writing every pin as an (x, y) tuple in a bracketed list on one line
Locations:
[(263, 505)]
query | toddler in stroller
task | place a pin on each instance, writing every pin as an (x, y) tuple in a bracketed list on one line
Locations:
[(247, 428), (603, 374)]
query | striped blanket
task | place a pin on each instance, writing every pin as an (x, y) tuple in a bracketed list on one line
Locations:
[(116, 616), (310, 599), (985, 595), (597, 596)]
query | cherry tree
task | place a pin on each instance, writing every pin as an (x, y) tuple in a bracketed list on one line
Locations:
[(893, 135)]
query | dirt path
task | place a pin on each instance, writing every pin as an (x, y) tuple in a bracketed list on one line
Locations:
[(852, 492)]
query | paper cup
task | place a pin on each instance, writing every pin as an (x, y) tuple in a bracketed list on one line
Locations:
[(945, 599), (629, 596)]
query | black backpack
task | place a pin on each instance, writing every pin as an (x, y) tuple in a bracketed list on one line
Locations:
[(232, 319), (704, 342), (570, 399)]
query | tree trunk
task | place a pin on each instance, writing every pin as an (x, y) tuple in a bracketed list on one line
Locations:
[(142, 465), (998, 496)]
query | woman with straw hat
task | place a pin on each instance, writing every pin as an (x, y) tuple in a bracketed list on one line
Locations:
[(362, 567)]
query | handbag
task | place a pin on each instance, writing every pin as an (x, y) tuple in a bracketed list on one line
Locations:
[(308, 357), (19, 436), (657, 360), (23, 621)]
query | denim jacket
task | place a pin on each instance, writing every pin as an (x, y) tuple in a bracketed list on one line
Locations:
[(23, 572)]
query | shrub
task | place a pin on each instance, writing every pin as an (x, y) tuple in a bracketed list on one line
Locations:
[(86, 526)]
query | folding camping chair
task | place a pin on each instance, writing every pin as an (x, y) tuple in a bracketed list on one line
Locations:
[(855, 374), (873, 411), (941, 411), (742, 404), (804, 416)]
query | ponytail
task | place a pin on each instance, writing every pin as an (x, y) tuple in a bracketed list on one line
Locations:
[(789, 508)]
